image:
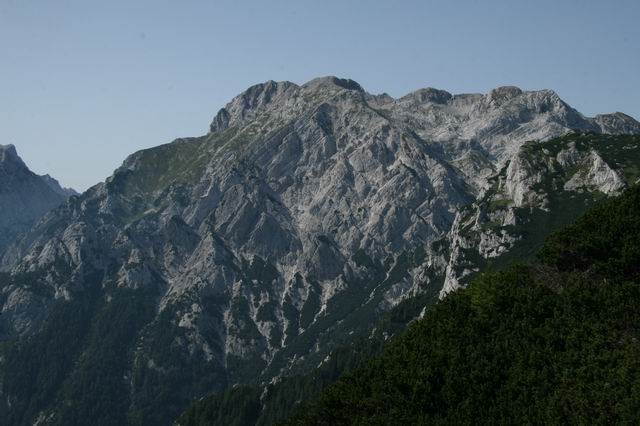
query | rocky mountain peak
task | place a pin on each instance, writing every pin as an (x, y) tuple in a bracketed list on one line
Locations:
[(9, 156), (429, 95), (504, 93), (250, 103), (531, 102), (332, 83), (617, 123)]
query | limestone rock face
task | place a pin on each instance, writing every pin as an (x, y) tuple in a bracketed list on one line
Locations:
[(597, 175), (544, 186), (302, 215)]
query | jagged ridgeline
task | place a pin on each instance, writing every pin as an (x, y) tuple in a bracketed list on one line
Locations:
[(24, 196), (290, 229), (555, 341)]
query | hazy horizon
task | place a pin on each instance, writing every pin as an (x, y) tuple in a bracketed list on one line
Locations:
[(86, 85)]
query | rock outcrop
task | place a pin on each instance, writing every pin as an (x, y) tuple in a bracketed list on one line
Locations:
[(544, 186)]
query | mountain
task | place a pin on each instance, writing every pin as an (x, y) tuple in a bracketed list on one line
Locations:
[(250, 253), (24, 196), (552, 342)]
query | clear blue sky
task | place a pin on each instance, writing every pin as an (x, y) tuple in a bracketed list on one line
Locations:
[(85, 83)]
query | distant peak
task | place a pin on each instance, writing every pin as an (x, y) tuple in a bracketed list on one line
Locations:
[(332, 81), (617, 123), (617, 116), (8, 154), (9, 149)]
